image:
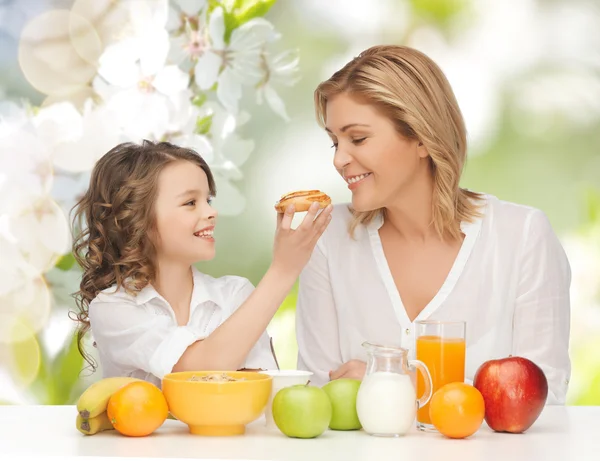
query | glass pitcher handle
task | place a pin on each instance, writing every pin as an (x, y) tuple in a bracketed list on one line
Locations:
[(426, 379)]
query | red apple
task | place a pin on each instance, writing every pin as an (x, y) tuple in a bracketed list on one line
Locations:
[(514, 390)]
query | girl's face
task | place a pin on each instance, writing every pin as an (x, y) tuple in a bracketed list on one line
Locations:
[(185, 220), (378, 163)]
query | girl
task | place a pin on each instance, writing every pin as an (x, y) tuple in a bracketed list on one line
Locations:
[(145, 220), (413, 245)]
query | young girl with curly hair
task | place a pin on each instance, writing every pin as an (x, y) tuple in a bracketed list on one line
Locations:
[(143, 223)]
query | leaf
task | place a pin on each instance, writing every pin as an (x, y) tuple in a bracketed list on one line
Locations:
[(230, 19), (203, 124), (66, 262), (439, 11), (258, 9), (199, 99), (65, 370), (231, 23), (240, 12), (593, 206)]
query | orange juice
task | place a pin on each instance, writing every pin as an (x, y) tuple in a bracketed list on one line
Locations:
[(445, 359)]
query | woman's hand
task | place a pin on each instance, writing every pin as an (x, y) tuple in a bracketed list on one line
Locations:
[(293, 247), (354, 369)]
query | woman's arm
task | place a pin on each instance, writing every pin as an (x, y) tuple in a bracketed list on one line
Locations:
[(542, 313), (316, 319)]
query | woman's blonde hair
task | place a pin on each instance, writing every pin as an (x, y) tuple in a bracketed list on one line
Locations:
[(414, 93), (114, 218)]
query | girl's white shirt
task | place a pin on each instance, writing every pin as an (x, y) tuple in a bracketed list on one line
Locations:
[(139, 336)]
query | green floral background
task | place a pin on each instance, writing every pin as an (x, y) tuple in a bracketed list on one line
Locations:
[(534, 126)]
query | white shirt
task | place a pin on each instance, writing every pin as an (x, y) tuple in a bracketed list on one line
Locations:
[(139, 336), (510, 283)]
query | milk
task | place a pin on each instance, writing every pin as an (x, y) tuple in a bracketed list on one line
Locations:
[(386, 403)]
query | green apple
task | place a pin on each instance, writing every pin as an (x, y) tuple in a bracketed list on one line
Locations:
[(302, 411), (342, 394)]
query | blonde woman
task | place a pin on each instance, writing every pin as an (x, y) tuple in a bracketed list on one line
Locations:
[(413, 244)]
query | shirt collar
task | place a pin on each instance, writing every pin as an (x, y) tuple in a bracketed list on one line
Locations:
[(202, 291), (376, 222)]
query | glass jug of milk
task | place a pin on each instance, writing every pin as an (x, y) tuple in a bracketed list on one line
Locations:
[(387, 401)]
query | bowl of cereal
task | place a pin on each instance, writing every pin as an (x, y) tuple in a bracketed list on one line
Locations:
[(217, 403)]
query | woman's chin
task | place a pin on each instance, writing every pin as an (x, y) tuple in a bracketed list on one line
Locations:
[(363, 206)]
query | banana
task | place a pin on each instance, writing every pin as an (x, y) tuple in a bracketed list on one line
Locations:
[(94, 425), (94, 399)]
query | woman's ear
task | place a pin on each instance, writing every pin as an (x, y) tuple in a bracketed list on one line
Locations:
[(422, 150)]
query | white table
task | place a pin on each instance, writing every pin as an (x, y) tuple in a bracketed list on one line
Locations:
[(561, 433)]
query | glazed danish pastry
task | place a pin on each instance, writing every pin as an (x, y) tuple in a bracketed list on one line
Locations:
[(302, 200)]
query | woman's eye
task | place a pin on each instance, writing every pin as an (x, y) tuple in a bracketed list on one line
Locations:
[(334, 145), (356, 142), (210, 200), (191, 202)]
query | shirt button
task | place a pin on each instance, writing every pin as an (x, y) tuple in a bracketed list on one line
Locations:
[(567, 382), (407, 331)]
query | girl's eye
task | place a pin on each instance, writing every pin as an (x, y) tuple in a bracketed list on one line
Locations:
[(191, 202), (209, 200), (356, 142), (334, 145)]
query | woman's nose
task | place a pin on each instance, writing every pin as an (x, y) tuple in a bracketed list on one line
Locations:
[(341, 159)]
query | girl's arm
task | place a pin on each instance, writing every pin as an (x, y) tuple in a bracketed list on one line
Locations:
[(227, 347)]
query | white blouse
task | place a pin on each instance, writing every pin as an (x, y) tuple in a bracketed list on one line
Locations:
[(139, 336), (510, 283)]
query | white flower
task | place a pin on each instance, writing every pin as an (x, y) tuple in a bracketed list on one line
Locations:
[(223, 150), (12, 118), (240, 60), (29, 303), (68, 188), (25, 169), (184, 11), (146, 95), (14, 269), (42, 233), (187, 21), (78, 140), (280, 69)]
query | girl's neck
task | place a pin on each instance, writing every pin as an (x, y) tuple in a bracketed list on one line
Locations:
[(174, 282)]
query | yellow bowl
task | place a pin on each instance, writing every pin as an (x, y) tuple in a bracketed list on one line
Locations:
[(217, 408)]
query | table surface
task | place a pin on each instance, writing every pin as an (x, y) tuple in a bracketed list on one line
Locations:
[(560, 433)]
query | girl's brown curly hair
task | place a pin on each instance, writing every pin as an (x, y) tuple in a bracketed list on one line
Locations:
[(114, 219)]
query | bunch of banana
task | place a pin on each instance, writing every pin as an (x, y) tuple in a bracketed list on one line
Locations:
[(91, 406), (94, 425)]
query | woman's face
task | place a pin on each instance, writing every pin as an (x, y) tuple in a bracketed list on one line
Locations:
[(378, 163)]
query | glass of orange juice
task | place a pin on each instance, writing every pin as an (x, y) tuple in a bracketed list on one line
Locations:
[(441, 346)]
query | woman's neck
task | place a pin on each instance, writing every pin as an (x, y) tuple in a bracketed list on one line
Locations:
[(411, 215)]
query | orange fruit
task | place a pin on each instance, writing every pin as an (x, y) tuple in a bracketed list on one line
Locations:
[(137, 409), (457, 410)]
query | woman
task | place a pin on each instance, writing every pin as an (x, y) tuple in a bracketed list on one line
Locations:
[(413, 245)]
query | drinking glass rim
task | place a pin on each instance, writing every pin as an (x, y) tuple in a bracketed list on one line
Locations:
[(441, 322)]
